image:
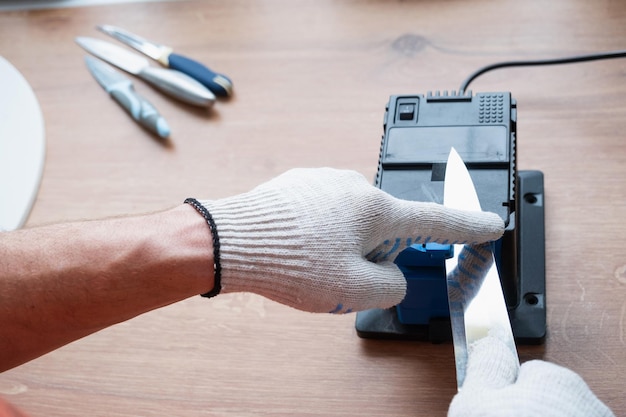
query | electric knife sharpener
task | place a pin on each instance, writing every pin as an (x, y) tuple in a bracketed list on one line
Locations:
[(419, 132)]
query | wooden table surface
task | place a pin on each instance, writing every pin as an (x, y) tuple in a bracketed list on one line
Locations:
[(312, 78)]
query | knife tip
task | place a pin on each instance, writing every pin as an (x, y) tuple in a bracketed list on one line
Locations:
[(454, 153), (104, 28), (163, 129)]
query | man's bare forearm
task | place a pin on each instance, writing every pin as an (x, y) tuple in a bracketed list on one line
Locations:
[(63, 282)]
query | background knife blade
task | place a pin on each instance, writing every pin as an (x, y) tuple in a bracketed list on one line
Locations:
[(22, 147), (106, 76), (475, 296), (120, 57), (171, 82)]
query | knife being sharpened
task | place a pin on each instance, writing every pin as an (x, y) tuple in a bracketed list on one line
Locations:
[(174, 83), (121, 90), (475, 297), (219, 84)]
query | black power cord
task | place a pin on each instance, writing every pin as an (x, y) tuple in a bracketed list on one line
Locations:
[(539, 62)]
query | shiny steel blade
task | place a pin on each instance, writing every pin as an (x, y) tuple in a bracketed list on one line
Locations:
[(106, 76), (458, 190), (144, 46), (476, 300), (113, 54)]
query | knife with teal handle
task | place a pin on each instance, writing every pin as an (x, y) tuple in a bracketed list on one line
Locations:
[(121, 90)]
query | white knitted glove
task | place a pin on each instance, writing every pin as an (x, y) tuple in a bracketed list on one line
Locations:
[(323, 240), (467, 277), (495, 385)]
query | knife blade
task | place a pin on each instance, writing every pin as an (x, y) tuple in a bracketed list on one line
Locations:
[(475, 296), (219, 84), (171, 82), (121, 90), (22, 147)]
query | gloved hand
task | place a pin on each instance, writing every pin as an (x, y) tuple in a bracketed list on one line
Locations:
[(323, 240), (467, 277), (495, 385)]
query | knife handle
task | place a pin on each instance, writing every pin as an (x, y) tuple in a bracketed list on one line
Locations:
[(178, 85), (220, 84), (141, 110)]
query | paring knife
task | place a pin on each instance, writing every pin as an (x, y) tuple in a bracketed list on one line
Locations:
[(220, 84), (477, 305), (121, 89), (22, 147), (174, 83)]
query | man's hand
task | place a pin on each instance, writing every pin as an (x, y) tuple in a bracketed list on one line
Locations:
[(8, 410), (496, 386), (323, 240)]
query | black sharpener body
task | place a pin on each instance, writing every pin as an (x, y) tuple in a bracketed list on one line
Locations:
[(419, 132)]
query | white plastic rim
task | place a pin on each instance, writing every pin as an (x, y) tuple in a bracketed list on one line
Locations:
[(22, 147)]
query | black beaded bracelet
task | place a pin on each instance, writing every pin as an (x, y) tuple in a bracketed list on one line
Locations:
[(216, 246)]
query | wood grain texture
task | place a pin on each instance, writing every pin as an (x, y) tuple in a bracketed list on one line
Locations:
[(312, 78)]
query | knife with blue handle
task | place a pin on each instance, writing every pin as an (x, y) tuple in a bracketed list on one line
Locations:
[(171, 82), (219, 84), (121, 90)]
